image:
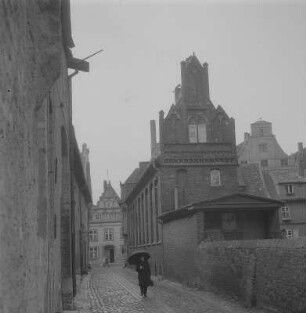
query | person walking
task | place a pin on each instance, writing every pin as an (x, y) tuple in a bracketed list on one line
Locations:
[(144, 275)]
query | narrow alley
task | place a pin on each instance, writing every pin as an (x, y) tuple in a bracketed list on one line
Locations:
[(114, 289)]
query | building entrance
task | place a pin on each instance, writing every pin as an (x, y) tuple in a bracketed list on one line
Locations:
[(110, 253)]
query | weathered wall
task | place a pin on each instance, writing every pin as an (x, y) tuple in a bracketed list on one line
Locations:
[(33, 75), (267, 273), (180, 241)]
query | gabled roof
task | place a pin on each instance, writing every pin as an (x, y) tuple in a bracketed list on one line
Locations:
[(109, 192), (233, 202), (137, 173), (220, 110), (173, 111)]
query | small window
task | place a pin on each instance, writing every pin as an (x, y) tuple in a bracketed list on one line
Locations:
[(289, 233), (284, 162), (264, 163), (93, 252), (215, 178), (285, 213), (261, 132), (108, 234), (289, 190), (263, 147), (93, 235)]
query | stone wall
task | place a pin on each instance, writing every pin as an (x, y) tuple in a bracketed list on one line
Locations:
[(34, 108), (269, 274)]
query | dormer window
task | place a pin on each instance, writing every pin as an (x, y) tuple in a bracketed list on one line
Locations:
[(263, 147), (215, 178), (197, 130), (289, 190)]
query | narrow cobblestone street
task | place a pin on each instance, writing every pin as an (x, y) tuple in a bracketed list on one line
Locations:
[(114, 289)]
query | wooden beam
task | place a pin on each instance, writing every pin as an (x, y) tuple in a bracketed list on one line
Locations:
[(78, 65)]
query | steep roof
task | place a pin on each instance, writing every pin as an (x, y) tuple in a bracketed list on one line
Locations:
[(137, 173), (109, 192), (286, 175), (250, 176)]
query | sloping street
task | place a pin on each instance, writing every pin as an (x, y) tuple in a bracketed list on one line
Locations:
[(114, 289)]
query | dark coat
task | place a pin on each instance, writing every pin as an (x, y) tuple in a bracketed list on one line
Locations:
[(144, 274)]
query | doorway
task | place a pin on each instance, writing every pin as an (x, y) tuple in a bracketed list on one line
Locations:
[(111, 255)]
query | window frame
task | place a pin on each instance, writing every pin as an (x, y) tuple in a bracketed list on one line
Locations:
[(109, 234), (197, 129), (264, 163), (215, 170), (263, 147), (94, 252), (289, 189), (93, 235), (285, 213), (288, 235)]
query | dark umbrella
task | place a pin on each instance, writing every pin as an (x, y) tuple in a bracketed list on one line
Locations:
[(134, 258)]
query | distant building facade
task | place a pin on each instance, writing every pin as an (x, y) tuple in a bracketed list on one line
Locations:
[(261, 146), (106, 232), (283, 176), (287, 185), (194, 161)]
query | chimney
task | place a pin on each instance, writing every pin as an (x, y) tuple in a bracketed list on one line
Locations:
[(105, 185), (300, 159), (161, 127), (153, 135)]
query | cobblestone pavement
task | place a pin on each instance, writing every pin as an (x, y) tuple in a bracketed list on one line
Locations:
[(115, 290)]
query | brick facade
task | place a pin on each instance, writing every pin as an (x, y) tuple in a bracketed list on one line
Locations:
[(194, 160)]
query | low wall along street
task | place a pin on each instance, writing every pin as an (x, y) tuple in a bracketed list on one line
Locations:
[(269, 274)]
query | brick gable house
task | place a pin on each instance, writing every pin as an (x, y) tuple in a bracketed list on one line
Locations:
[(195, 160)]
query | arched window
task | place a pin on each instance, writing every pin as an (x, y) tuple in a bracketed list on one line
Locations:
[(215, 178), (201, 130), (197, 130), (192, 130)]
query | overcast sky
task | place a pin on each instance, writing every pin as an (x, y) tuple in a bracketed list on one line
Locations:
[(256, 51)]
